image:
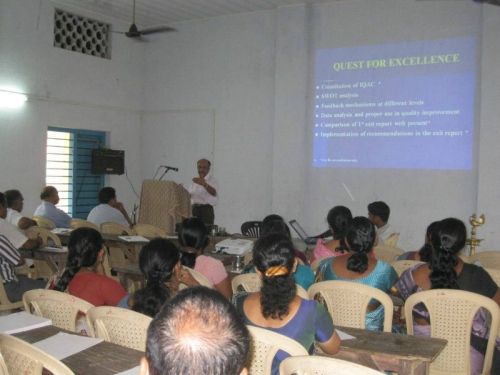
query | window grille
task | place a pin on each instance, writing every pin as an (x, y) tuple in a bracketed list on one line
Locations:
[(80, 34)]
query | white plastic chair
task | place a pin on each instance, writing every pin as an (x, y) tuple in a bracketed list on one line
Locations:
[(62, 308), (119, 326), (387, 253), (346, 301), (451, 315), (43, 222), (202, 279), (251, 283), (319, 365), (265, 345), (402, 265), (21, 357)]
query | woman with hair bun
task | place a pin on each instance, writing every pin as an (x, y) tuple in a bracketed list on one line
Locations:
[(159, 262), (193, 238), (339, 219), (447, 271), (84, 274), (278, 308), (359, 267)]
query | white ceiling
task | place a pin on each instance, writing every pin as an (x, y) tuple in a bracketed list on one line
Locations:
[(156, 12)]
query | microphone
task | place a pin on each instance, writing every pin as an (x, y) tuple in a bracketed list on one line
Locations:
[(169, 168)]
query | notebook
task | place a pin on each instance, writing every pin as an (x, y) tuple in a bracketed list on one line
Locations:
[(21, 321)]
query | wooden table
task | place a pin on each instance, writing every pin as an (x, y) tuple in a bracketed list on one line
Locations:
[(104, 358), (56, 259), (385, 351)]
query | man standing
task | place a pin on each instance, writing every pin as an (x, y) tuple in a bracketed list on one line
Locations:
[(48, 209), (109, 209), (203, 192)]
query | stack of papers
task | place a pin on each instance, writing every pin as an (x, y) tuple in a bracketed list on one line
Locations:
[(234, 246), (21, 321), (63, 345)]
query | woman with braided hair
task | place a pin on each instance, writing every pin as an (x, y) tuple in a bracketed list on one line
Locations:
[(278, 308), (84, 274), (359, 267), (447, 271), (160, 264)]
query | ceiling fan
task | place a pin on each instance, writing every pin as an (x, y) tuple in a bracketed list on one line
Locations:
[(134, 32)]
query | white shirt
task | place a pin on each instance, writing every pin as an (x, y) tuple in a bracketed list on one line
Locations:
[(12, 233), (13, 216), (48, 210), (200, 195), (104, 213), (384, 233)]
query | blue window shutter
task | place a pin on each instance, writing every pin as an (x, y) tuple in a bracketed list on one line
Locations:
[(86, 185)]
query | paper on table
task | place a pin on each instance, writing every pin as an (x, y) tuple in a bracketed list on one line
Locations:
[(133, 238), (21, 321), (343, 335), (63, 345), (52, 249), (132, 371)]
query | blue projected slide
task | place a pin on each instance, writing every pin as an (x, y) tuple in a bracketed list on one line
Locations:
[(405, 105)]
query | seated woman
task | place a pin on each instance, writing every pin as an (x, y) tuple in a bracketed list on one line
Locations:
[(339, 219), (358, 267), (278, 308), (159, 262), (425, 252), (303, 275), (84, 274), (447, 271), (193, 238)]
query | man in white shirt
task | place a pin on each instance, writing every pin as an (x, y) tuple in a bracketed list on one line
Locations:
[(109, 209), (15, 203), (203, 192), (378, 213), (11, 239), (48, 209)]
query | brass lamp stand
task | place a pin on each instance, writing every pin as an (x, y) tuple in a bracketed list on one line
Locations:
[(473, 242)]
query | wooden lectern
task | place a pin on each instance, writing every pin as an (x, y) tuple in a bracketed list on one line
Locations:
[(163, 204)]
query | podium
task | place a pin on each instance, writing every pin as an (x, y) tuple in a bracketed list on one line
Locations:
[(163, 204)]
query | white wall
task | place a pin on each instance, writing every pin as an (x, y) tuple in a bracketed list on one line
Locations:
[(253, 71), (65, 89)]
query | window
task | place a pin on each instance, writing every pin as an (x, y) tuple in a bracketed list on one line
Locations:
[(68, 168)]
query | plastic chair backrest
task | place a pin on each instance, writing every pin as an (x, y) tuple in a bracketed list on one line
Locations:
[(451, 315), (21, 357), (319, 365), (62, 308), (251, 283), (202, 279), (79, 223), (387, 253), (346, 301), (401, 266), (119, 326), (264, 346), (116, 229), (5, 302), (149, 230), (251, 228), (44, 222), (48, 238), (392, 240)]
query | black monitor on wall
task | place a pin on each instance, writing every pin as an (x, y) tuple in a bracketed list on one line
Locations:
[(106, 161)]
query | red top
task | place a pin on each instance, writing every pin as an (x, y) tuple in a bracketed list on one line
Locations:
[(96, 289)]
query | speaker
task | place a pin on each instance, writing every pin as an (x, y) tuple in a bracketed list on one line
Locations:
[(105, 161)]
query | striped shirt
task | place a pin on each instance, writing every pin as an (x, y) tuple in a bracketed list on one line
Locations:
[(9, 257)]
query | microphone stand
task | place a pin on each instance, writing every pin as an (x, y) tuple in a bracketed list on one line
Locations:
[(164, 173)]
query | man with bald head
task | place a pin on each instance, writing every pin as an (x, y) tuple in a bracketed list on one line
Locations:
[(197, 332), (48, 209), (203, 192)]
